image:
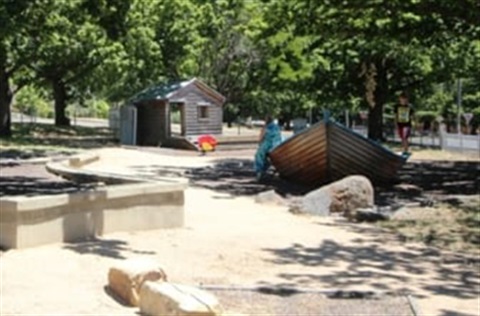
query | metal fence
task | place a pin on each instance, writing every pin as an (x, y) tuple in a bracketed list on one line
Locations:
[(460, 142), (443, 140)]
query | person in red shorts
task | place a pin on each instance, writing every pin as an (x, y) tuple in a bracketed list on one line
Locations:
[(403, 119)]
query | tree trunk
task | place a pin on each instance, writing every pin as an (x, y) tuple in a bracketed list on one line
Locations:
[(5, 102), (375, 114), (60, 98)]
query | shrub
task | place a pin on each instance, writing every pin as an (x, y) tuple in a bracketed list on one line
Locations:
[(30, 101)]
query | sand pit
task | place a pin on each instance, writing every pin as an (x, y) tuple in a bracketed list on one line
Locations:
[(231, 240)]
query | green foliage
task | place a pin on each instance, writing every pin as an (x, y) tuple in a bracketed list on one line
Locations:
[(99, 108), (31, 102), (282, 57)]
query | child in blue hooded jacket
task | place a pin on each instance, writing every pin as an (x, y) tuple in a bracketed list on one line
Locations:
[(270, 137)]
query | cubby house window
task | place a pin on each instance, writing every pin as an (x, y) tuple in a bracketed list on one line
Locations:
[(202, 112)]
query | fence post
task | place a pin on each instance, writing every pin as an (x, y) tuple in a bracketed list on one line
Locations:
[(478, 137), (442, 135)]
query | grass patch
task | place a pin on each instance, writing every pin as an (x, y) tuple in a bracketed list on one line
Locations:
[(455, 228), (41, 140), (429, 153)]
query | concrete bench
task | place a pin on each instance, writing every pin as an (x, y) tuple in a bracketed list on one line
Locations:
[(32, 221)]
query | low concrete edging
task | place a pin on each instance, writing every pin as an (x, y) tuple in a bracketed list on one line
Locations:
[(68, 172), (33, 221), (83, 159)]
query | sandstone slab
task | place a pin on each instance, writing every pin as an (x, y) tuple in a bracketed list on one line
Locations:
[(126, 278), (177, 300)]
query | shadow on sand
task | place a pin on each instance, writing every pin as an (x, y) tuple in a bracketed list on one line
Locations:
[(115, 296), (110, 248), (435, 179), (229, 176), (33, 186), (378, 266), (236, 177), (58, 141), (443, 177)]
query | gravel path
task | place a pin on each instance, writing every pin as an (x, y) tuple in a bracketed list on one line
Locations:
[(309, 304)]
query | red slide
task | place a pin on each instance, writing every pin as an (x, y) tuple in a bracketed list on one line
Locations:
[(207, 143)]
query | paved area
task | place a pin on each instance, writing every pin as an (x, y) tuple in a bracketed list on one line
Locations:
[(310, 304), (148, 161)]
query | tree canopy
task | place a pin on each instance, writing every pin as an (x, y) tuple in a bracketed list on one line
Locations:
[(277, 56)]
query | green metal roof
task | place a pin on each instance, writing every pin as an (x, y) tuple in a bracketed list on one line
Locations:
[(158, 92)]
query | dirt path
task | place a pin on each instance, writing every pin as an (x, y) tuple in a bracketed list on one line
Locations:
[(231, 240)]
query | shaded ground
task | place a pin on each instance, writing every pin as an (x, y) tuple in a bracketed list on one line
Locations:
[(443, 226), (437, 194), (30, 180), (236, 177), (109, 248), (432, 179), (442, 197), (443, 177), (31, 140), (440, 180)]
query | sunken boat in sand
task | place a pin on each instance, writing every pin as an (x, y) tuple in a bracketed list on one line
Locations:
[(328, 151)]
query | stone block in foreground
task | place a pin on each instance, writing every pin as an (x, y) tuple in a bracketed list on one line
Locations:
[(127, 277), (163, 298)]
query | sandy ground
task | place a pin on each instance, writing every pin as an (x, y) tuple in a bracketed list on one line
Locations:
[(231, 240), (235, 241), (435, 154)]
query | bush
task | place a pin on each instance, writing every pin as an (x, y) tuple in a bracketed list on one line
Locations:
[(30, 101), (91, 108), (100, 108)]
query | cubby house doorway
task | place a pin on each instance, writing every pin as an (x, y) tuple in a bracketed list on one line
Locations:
[(177, 119)]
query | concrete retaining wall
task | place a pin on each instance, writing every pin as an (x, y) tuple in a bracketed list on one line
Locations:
[(33, 221)]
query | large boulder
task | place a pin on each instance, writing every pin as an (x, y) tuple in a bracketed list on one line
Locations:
[(344, 196), (126, 278), (179, 300)]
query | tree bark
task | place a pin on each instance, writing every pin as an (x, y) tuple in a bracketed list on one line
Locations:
[(5, 101), (60, 98), (375, 114)]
